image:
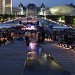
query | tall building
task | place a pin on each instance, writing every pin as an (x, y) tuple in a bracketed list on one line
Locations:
[(5, 6), (2, 6), (8, 6)]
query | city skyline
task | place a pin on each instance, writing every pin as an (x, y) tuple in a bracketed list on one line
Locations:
[(39, 2)]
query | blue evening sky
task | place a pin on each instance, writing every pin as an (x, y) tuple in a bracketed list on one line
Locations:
[(47, 3)]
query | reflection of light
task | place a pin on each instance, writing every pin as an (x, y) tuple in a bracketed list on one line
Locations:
[(31, 55), (45, 55), (30, 58), (32, 27), (64, 47), (70, 47), (65, 25), (49, 55), (55, 65), (32, 46)]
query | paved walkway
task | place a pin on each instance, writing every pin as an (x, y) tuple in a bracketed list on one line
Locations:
[(12, 57), (65, 57)]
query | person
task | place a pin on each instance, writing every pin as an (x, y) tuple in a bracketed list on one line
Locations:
[(70, 39), (4, 41), (1, 38), (27, 35), (0, 41), (42, 35), (38, 36), (9, 39), (33, 38), (60, 40), (66, 37)]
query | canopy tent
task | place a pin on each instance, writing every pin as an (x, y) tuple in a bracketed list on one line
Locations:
[(60, 27)]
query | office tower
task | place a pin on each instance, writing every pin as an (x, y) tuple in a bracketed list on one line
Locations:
[(5, 6)]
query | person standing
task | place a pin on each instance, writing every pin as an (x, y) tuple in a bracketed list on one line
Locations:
[(0, 38), (42, 35), (0, 41), (38, 36), (27, 35)]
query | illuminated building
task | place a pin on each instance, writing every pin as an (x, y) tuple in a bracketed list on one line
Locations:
[(31, 10), (61, 10), (5, 6)]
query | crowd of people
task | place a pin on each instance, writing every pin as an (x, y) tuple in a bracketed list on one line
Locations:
[(7, 35), (66, 36), (37, 36)]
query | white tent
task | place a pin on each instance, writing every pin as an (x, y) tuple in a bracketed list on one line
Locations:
[(60, 27), (5, 26)]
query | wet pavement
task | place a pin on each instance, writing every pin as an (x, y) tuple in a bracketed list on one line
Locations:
[(64, 56), (46, 68), (12, 57)]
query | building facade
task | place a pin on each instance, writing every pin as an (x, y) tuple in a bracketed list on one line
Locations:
[(2, 6), (15, 11), (20, 10), (5, 6), (42, 10), (8, 6), (31, 10)]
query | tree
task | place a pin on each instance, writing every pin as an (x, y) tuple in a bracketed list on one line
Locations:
[(69, 20)]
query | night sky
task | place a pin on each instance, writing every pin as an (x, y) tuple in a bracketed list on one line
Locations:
[(48, 3)]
